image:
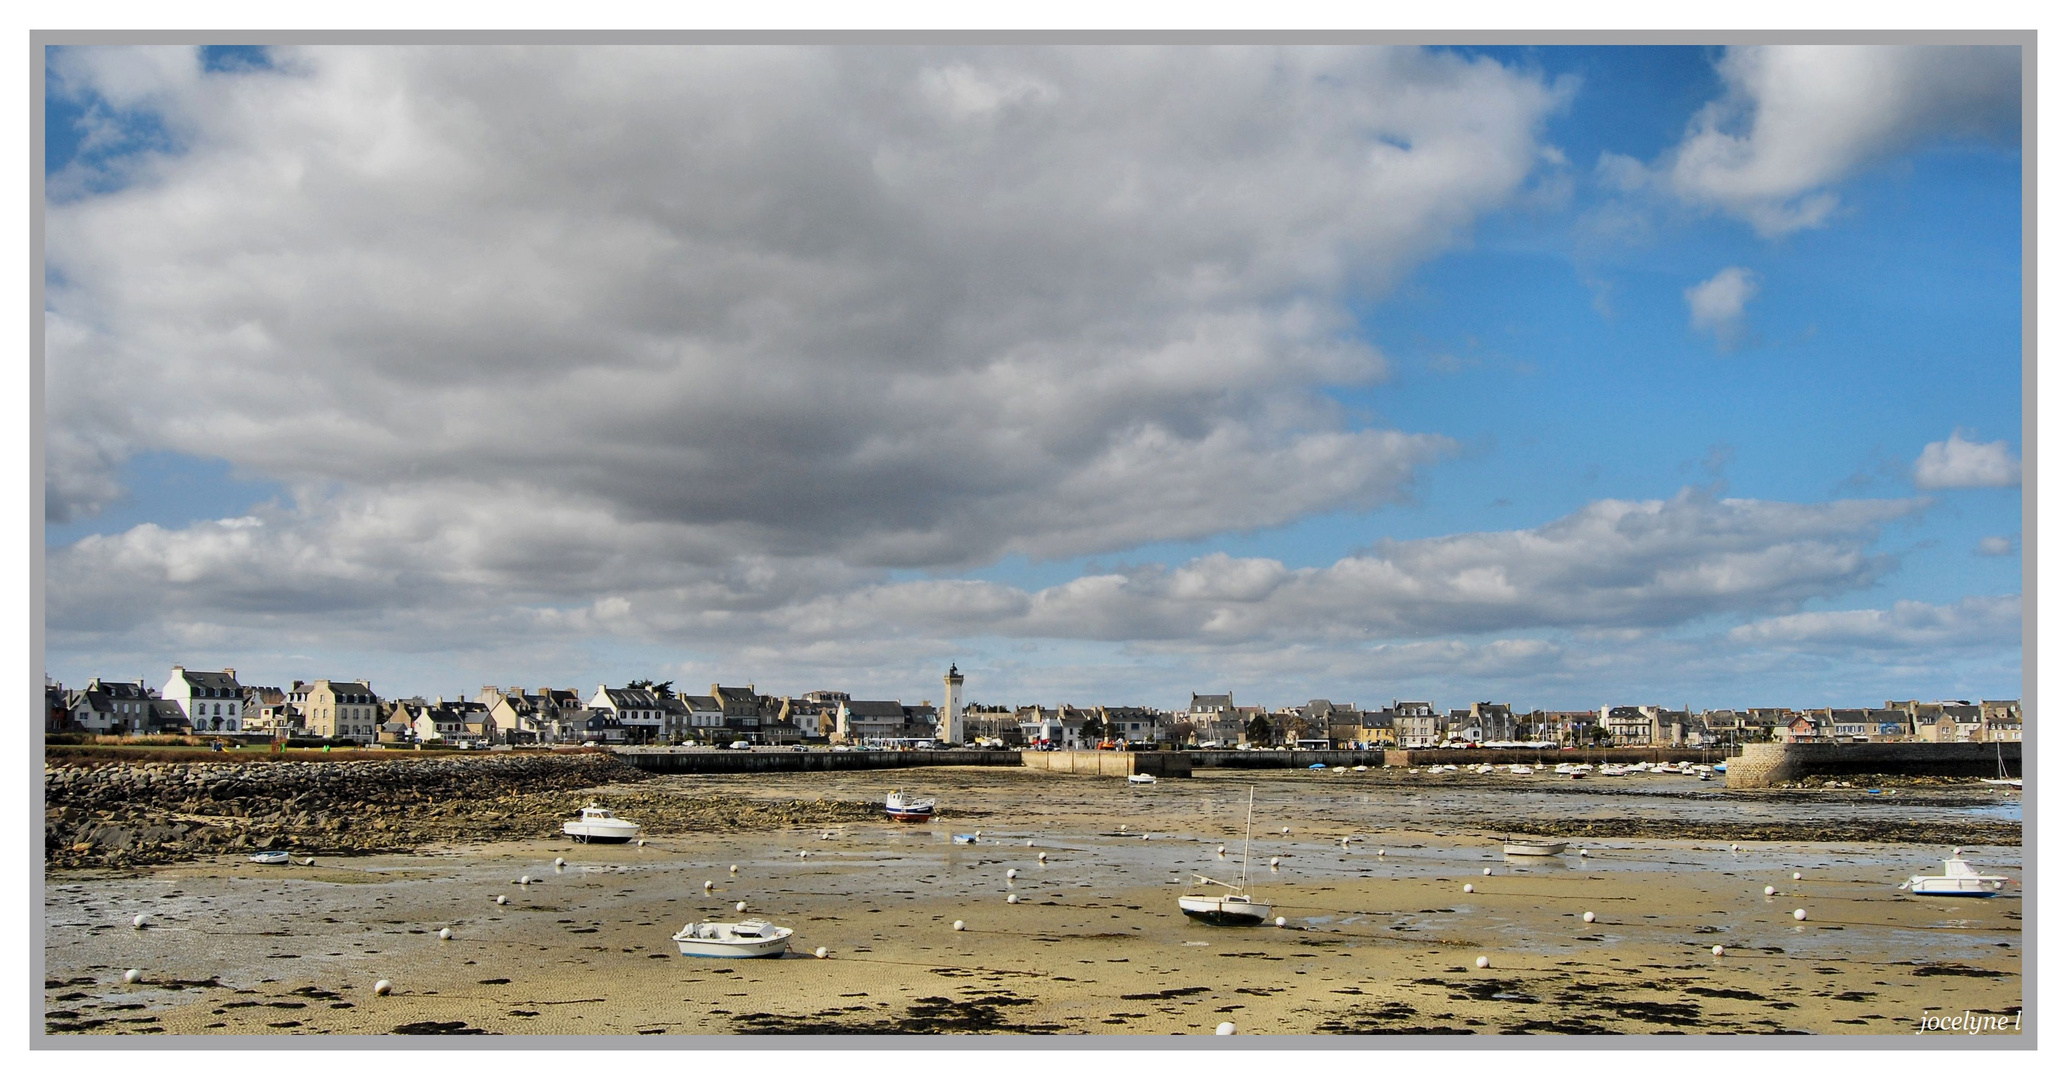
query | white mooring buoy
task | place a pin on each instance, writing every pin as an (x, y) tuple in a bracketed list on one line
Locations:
[(138, 922), (819, 952), (1717, 950), (444, 933), (959, 924), (559, 862), (1011, 898), (1483, 962), (1797, 875), (1029, 843), (740, 906), (1489, 871), (803, 854), (132, 975), (1799, 914), (382, 988), (1467, 888), (500, 899), (1226, 1028), (1588, 916), (1043, 856), (1770, 890), (1273, 862), (1281, 920), (733, 870)]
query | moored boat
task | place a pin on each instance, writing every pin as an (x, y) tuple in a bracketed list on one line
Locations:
[(1512, 846), (733, 940), (1141, 778), (598, 825), (1235, 907), (272, 858), (902, 807), (1959, 879)]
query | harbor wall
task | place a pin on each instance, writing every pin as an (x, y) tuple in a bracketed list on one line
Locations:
[(1110, 762), (1577, 755), (683, 760), (1770, 764)]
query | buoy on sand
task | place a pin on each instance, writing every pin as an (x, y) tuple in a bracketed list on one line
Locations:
[(1273, 862), (1226, 1028), (1799, 914), (138, 922), (733, 870), (1467, 888), (444, 933), (559, 862), (500, 899), (1029, 843), (709, 885), (1588, 916), (1011, 898), (1483, 962), (1010, 874), (1489, 871), (381, 988), (803, 854), (310, 861), (819, 952), (1043, 856), (1770, 890), (132, 975), (1281, 920), (1717, 950), (959, 924), (741, 906), (1797, 875)]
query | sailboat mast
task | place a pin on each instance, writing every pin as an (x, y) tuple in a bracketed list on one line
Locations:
[(1246, 825)]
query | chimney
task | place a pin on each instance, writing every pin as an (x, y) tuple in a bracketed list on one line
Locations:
[(231, 672)]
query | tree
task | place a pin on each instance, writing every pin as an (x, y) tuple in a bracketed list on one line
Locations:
[(1091, 730), (1258, 730), (1183, 732)]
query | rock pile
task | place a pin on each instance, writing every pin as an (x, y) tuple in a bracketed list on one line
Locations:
[(120, 814)]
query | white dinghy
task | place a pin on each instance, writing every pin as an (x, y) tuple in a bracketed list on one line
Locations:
[(745, 940)]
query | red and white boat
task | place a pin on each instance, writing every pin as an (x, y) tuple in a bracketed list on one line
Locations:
[(902, 807)]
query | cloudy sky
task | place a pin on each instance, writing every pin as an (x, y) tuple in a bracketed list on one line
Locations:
[(1544, 375)]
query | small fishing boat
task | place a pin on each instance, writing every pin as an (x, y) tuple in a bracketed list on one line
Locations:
[(1511, 846), (964, 838), (1141, 778), (272, 858), (901, 807), (598, 825), (734, 940), (1959, 879), (1235, 907)]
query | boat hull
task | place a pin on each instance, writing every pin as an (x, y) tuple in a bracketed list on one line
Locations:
[(1223, 910), (902, 809), (1556, 847), (599, 834), (272, 858)]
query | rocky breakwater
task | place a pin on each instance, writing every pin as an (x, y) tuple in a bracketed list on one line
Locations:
[(116, 813)]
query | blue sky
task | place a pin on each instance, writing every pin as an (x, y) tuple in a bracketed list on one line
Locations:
[(887, 368)]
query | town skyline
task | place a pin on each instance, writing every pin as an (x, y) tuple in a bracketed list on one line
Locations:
[(1679, 375)]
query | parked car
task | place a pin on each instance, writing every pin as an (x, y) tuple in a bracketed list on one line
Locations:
[(742, 745)]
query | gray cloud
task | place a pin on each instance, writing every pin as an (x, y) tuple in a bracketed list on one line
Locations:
[(1975, 620), (1795, 120), (901, 307)]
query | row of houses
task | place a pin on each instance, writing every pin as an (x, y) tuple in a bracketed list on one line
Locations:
[(216, 702)]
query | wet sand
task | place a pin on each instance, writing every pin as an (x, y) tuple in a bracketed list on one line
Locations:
[(1373, 943)]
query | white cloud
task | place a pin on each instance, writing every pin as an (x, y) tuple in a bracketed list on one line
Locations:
[(1957, 463), (911, 307), (1976, 620), (1796, 119), (1716, 306), (1996, 545)]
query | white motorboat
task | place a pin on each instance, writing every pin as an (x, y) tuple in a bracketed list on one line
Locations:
[(272, 858), (901, 807), (1141, 778), (734, 940), (598, 825), (1959, 879), (1235, 907)]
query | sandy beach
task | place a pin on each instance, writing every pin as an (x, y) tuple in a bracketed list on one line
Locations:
[(1380, 934)]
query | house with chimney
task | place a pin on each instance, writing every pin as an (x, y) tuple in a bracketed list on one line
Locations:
[(210, 700)]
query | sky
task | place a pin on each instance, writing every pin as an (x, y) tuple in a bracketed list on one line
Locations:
[(1553, 376)]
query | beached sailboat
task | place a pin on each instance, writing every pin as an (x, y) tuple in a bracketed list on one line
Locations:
[(2002, 772), (1235, 907)]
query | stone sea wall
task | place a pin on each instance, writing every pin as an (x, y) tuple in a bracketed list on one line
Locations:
[(118, 813)]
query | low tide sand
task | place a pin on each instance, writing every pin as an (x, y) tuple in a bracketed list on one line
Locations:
[(1095, 945)]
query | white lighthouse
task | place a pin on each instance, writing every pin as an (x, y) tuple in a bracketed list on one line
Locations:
[(951, 714)]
